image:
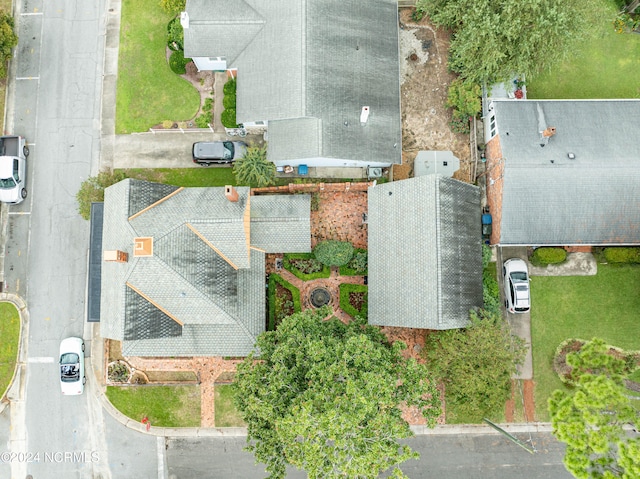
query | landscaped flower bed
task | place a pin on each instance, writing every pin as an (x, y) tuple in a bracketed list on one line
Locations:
[(283, 299), (353, 299), (305, 266)]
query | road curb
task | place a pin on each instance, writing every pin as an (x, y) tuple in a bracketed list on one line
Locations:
[(11, 394)]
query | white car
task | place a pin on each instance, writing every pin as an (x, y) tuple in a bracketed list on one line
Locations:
[(72, 376), (516, 286), (13, 169)]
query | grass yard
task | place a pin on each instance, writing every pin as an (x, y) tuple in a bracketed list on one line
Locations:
[(148, 92), (605, 66), (185, 176), (165, 406), (226, 413), (10, 334), (606, 305)]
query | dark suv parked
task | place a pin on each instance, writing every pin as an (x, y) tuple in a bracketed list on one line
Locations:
[(208, 152)]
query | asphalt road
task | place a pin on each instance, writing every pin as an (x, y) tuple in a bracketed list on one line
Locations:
[(54, 101), (468, 456)]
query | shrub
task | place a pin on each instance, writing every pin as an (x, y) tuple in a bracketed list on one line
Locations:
[(464, 97), (118, 372), (548, 255), (175, 35), (204, 120), (178, 63), (254, 169), (229, 101), (359, 262), (345, 304), (92, 190), (486, 255), (491, 290), (305, 266), (229, 88), (228, 118), (295, 294), (459, 122), (173, 7), (8, 41), (333, 253), (622, 254)]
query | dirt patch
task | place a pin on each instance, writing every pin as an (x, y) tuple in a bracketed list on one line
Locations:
[(425, 81)]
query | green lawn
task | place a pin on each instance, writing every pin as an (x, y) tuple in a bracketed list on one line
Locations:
[(185, 176), (605, 66), (165, 406), (606, 305), (226, 413), (10, 334), (148, 92)]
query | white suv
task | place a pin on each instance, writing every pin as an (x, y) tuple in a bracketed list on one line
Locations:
[(516, 286)]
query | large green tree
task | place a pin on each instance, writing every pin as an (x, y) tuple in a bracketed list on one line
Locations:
[(254, 169), (476, 364), (494, 39), (591, 418), (325, 397)]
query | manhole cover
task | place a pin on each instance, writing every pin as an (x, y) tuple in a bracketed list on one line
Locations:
[(319, 297)]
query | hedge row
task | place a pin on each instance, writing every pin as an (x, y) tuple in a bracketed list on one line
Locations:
[(271, 298), (286, 262), (345, 305)]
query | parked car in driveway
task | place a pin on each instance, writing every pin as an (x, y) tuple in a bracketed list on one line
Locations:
[(516, 286), (13, 169), (208, 152), (72, 376)]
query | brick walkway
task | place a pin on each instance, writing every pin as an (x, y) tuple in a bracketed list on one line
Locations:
[(339, 217), (208, 369)]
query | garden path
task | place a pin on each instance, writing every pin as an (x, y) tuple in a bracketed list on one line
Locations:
[(208, 369)]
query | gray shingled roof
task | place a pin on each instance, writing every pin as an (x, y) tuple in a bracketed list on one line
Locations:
[(425, 259), (549, 199), (321, 59), (190, 279)]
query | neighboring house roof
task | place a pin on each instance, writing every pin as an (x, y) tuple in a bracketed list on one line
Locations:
[(425, 253), (199, 286), (310, 59), (550, 199)]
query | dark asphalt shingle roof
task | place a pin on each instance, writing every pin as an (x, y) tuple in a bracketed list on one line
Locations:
[(425, 260), (551, 199), (202, 291)]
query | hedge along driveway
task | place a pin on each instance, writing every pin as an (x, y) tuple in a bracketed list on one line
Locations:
[(148, 92), (606, 305)]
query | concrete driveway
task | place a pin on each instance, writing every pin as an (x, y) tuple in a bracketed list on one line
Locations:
[(520, 323)]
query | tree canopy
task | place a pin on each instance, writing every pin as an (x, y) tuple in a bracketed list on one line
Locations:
[(476, 364), (254, 169), (591, 418), (493, 40), (325, 397)]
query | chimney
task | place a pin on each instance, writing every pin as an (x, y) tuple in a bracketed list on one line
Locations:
[(364, 115), (115, 256), (184, 19), (143, 246), (549, 132), (231, 194)]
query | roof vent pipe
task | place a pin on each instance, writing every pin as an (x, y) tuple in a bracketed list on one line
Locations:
[(364, 115)]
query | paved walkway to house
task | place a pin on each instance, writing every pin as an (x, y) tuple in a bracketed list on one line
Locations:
[(339, 216), (208, 369)]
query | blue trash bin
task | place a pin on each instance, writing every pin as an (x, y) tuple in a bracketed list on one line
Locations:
[(303, 170)]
